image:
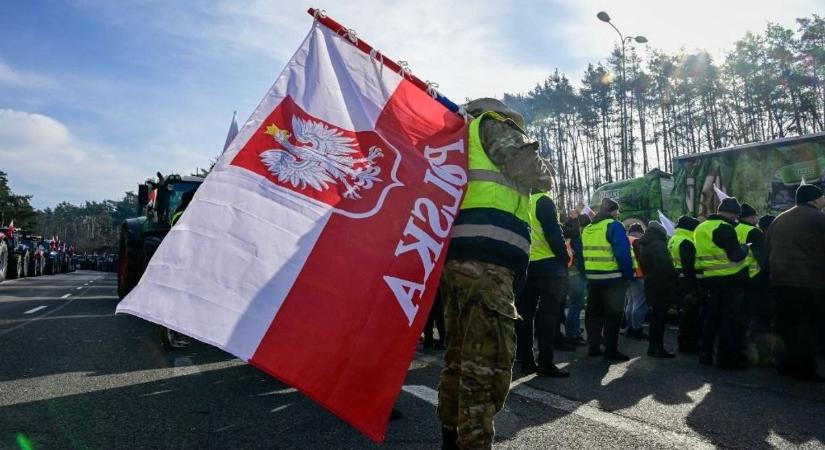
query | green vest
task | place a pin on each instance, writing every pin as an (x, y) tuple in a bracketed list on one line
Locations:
[(675, 242), (539, 247), (488, 188), (599, 261), (710, 258), (742, 230)]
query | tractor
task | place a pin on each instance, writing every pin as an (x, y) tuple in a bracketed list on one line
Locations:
[(14, 254), (140, 236)]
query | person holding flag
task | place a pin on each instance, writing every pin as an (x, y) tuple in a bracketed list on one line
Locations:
[(489, 251)]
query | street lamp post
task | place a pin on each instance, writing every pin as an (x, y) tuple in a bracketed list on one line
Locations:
[(604, 17)]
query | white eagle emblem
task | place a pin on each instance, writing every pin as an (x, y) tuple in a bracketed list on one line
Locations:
[(323, 158)]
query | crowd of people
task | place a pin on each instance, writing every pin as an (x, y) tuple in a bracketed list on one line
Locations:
[(746, 289)]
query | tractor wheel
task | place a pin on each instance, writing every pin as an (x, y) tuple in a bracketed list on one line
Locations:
[(15, 269), (130, 266), (171, 339), (4, 260), (26, 263), (150, 246), (31, 268)]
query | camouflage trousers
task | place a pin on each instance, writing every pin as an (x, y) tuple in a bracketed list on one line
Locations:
[(479, 313)]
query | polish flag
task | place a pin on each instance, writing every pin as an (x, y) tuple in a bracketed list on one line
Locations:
[(314, 247)]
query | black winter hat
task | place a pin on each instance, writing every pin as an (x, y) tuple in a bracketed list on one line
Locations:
[(806, 193), (765, 221), (608, 205), (747, 210), (730, 205), (687, 223), (636, 228)]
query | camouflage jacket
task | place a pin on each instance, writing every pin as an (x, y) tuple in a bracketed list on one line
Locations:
[(518, 159)]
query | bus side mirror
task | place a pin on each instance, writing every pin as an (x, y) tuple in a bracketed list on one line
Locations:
[(143, 197)]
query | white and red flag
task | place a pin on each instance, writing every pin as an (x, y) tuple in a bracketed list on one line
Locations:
[(314, 247)]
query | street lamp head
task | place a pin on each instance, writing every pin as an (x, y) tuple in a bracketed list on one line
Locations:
[(603, 16), (640, 39)]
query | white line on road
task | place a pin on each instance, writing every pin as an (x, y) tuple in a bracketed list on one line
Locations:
[(617, 421), (668, 437), (425, 393), (66, 296), (79, 288), (34, 310)]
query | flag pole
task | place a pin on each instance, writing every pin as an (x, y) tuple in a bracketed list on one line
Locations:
[(359, 43)]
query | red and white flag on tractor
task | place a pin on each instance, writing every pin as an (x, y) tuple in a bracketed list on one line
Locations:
[(314, 247)]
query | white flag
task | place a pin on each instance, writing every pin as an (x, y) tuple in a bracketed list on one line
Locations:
[(721, 195), (670, 227), (233, 131)]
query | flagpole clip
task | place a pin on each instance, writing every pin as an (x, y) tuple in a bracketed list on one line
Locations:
[(431, 88), (404, 70), (319, 14), (462, 111)]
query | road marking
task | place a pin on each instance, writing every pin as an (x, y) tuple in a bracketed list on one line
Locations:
[(91, 281), (614, 420), (185, 366), (617, 421), (34, 310), (425, 393), (79, 288), (66, 296)]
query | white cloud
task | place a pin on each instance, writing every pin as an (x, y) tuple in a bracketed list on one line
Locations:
[(14, 78), (43, 158)]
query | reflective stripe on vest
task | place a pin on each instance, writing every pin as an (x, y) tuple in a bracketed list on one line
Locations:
[(599, 261), (675, 242), (539, 248), (487, 187), (673, 247), (176, 217), (710, 258), (742, 230)]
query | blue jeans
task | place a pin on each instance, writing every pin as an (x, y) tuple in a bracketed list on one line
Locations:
[(636, 306), (575, 303)]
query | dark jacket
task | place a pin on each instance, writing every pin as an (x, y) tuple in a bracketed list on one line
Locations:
[(796, 248), (548, 218), (661, 277)]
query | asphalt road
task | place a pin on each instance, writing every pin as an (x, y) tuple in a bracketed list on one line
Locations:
[(75, 376)]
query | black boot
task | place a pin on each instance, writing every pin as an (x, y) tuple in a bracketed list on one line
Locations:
[(659, 352), (449, 438)]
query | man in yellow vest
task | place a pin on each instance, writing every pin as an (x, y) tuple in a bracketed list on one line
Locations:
[(608, 265), (546, 289), (757, 315), (725, 271), (683, 252), (489, 249)]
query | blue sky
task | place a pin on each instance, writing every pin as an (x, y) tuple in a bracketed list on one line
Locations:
[(97, 95)]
